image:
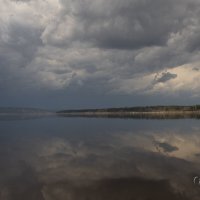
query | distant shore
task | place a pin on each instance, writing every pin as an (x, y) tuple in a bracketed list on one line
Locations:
[(148, 112)]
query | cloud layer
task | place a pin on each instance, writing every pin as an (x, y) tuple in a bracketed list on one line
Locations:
[(110, 47)]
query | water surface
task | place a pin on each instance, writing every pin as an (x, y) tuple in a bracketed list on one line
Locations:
[(98, 159)]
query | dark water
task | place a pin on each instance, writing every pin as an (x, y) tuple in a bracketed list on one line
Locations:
[(99, 159)]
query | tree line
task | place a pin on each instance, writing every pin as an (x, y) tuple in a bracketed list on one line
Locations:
[(138, 109)]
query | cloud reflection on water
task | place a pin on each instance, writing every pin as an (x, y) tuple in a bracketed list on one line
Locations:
[(107, 164)]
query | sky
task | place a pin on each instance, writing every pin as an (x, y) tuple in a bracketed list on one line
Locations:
[(99, 53)]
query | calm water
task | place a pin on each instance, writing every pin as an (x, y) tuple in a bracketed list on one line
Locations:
[(99, 159)]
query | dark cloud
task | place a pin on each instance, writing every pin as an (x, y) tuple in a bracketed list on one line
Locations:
[(167, 148), (195, 69), (97, 46), (129, 25), (164, 77), (19, 1), (17, 52), (24, 40)]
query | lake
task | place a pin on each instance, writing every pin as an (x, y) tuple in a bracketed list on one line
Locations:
[(57, 158)]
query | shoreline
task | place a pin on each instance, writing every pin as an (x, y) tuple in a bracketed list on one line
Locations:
[(139, 115)]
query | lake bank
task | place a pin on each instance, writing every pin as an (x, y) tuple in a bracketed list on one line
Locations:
[(139, 115)]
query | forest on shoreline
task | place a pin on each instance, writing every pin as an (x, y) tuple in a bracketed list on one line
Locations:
[(140, 109)]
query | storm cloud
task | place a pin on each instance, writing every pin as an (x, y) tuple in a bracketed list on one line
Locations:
[(99, 47), (164, 76)]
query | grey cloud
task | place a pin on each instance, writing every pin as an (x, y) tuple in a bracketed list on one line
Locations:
[(24, 40), (164, 77), (61, 71), (145, 28), (167, 148), (95, 46), (194, 42), (129, 25), (19, 42), (19, 1), (195, 69)]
